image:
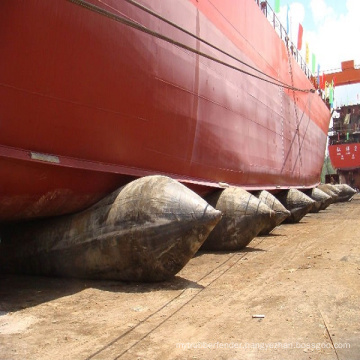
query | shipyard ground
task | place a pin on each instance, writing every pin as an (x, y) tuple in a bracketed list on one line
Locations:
[(304, 279)]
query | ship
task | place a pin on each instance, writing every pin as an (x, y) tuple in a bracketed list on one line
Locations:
[(344, 133), (344, 146), (97, 94)]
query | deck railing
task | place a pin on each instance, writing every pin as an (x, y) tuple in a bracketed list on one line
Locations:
[(282, 33)]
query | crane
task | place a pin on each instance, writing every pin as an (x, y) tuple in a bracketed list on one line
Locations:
[(348, 74)]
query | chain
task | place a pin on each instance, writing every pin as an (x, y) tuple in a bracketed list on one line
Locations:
[(295, 107)]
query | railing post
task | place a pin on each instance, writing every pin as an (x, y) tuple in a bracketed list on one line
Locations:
[(263, 6), (274, 21)]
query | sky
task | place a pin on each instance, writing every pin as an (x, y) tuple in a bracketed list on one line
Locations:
[(332, 30)]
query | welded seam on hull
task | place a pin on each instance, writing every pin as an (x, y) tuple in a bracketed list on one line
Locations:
[(88, 165)]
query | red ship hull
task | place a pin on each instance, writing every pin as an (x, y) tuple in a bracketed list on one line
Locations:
[(110, 103), (345, 156)]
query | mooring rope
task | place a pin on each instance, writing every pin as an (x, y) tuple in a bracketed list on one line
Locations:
[(144, 29)]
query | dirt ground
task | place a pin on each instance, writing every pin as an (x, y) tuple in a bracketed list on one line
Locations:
[(304, 279)]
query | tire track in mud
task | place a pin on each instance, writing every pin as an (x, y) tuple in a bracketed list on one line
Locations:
[(159, 317), (296, 245)]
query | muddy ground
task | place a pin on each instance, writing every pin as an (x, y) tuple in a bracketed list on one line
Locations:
[(304, 279)]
